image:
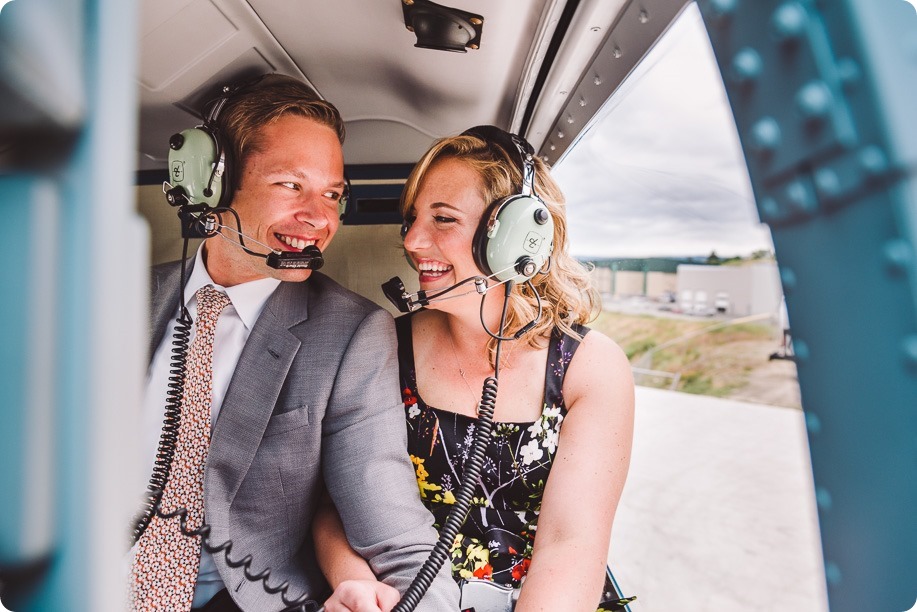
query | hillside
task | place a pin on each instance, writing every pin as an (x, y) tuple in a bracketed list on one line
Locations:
[(711, 356)]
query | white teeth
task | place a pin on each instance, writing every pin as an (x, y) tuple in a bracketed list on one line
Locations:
[(296, 243), (433, 267)]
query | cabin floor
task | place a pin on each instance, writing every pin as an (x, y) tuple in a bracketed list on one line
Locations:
[(718, 512)]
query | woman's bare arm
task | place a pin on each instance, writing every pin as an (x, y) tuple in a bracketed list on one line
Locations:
[(585, 483)]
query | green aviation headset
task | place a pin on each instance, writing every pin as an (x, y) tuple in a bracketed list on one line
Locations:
[(515, 237), (199, 169), (201, 166)]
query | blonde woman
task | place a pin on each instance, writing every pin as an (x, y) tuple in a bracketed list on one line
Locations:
[(553, 472)]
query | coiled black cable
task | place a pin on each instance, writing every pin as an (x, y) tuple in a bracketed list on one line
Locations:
[(459, 511), (472, 473), (301, 604), (168, 439), (162, 467)]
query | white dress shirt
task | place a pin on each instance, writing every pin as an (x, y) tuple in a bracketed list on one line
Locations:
[(233, 327)]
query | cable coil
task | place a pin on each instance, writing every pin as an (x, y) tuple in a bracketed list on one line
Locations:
[(301, 604), (162, 465), (459, 511)]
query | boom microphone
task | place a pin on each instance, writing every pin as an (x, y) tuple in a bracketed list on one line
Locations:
[(200, 221), (310, 258), (409, 302), (405, 302)]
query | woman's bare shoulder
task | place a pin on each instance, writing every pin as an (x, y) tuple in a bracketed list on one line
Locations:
[(599, 368)]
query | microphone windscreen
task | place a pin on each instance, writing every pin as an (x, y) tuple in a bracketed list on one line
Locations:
[(317, 259)]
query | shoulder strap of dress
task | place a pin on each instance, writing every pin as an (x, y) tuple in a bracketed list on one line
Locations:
[(560, 351)]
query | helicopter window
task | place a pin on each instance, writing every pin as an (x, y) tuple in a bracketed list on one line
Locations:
[(660, 202)]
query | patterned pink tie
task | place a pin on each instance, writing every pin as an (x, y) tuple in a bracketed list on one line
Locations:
[(166, 562)]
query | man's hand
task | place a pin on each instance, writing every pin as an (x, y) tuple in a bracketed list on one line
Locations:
[(362, 596)]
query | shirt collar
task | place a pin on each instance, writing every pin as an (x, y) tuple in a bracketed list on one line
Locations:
[(247, 298)]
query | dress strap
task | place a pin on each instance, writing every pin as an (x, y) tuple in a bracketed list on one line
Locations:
[(560, 351)]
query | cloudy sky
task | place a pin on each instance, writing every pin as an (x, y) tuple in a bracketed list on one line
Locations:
[(661, 171)]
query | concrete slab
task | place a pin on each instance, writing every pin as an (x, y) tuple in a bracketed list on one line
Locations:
[(718, 512)]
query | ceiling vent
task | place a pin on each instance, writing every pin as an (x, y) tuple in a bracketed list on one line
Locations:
[(442, 27)]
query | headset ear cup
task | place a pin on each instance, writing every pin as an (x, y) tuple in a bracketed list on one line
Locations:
[(195, 166), (521, 241), (480, 240)]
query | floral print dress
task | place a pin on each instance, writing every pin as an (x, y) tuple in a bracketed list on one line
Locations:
[(495, 543)]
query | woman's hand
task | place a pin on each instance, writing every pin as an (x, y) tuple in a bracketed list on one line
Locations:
[(362, 596)]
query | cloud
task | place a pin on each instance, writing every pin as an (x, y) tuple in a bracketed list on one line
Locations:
[(662, 172)]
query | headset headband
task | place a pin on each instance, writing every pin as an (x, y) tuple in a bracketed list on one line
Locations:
[(514, 146)]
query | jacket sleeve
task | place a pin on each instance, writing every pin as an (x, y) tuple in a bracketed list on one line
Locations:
[(367, 469)]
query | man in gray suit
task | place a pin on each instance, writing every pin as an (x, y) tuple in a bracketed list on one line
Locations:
[(305, 395)]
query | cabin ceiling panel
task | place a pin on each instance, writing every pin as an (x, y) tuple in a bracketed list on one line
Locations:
[(356, 53), (367, 65), (177, 74), (177, 44), (154, 14)]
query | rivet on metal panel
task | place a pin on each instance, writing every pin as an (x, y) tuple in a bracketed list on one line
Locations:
[(801, 198), (788, 278), (800, 349), (873, 160), (823, 498), (898, 255), (570, 119), (746, 65), (722, 8), (849, 72), (789, 22), (643, 17), (827, 182), (563, 92), (832, 573), (596, 80), (473, 46), (476, 21), (770, 210), (813, 423), (814, 100), (553, 147), (909, 348), (765, 134), (595, 29), (616, 52), (582, 101), (560, 134), (408, 2)]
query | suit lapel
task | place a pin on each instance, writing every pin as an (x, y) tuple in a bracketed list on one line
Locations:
[(253, 392), (164, 300)]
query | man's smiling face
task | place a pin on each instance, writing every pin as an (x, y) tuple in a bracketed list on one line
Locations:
[(287, 198)]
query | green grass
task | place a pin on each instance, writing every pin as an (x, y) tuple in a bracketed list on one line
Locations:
[(717, 362)]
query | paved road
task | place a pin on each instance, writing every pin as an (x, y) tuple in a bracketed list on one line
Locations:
[(718, 512)]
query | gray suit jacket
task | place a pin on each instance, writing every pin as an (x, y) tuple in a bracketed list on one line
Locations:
[(314, 401)]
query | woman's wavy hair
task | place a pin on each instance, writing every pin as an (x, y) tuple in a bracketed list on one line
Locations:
[(567, 295)]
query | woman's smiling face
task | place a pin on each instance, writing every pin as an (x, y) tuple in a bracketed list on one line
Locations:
[(443, 220)]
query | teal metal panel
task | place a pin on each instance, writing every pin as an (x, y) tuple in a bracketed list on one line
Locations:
[(14, 278), (67, 224), (817, 89)]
